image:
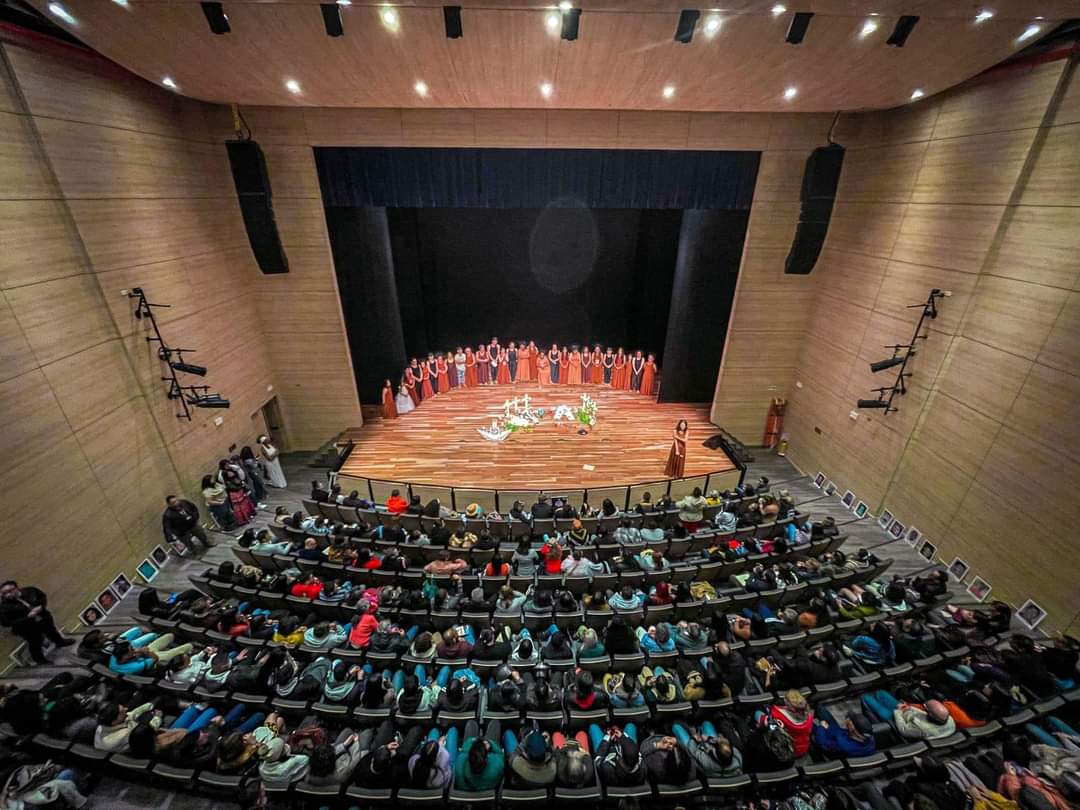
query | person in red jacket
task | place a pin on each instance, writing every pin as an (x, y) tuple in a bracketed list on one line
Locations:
[(795, 716), (363, 625), (310, 586), (395, 504), (552, 554)]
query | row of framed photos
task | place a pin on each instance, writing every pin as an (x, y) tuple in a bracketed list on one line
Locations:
[(1030, 614), (109, 598)]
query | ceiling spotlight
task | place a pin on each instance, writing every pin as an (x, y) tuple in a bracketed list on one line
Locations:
[(168, 82), (452, 21), (684, 31), (216, 18), (916, 94), (983, 15), (553, 21), (668, 91), (121, 3), (293, 86), (869, 27), (565, 5), (902, 31), (872, 403), (58, 10), (778, 9), (208, 401), (389, 17), (571, 20), (421, 88), (712, 25), (331, 16), (1029, 32), (892, 362), (189, 368), (790, 93), (546, 89), (344, 2), (797, 30)]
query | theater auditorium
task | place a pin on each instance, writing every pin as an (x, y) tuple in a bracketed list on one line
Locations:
[(521, 402)]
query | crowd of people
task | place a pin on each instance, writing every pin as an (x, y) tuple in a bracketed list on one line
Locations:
[(494, 364)]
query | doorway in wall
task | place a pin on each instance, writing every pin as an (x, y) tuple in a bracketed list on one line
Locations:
[(275, 425)]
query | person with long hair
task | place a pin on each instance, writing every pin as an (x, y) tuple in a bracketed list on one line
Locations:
[(470, 368), (275, 477), (608, 365), (648, 376), (620, 376), (389, 405), (575, 367), (676, 462), (597, 364), (543, 369), (502, 375), (254, 474), (442, 370), (413, 379), (637, 370), (553, 362), (483, 366), (403, 403), (533, 353), (564, 366), (427, 383), (512, 361)]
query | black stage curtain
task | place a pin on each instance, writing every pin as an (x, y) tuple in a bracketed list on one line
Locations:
[(535, 178)]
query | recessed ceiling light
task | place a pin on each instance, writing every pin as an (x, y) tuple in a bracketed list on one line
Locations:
[(983, 15), (389, 17), (869, 27), (712, 24), (421, 88), (1029, 32), (916, 94), (121, 3), (668, 91), (293, 86), (344, 2), (553, 21), (546, 89), (168, 82), (565, 5), (790, 93), (59, 11), (778, 9)]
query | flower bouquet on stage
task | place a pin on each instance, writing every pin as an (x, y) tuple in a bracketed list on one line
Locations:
[(518, 416), (581, 419)]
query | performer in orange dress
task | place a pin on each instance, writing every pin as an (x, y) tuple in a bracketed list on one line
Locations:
[(597, 365), (483, 366), (523, 364), (534, 353), (648, 376), (564, 366), (619, 374), (586, 364), (574, 377), (502, 377), (444, 378), (470, 368), (389, 409), (426, 390), (637, 369), (676, 462), (412, 380), (543, 369)]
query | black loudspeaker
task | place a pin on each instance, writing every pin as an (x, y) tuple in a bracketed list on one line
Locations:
[(818, 192), (256, 204)]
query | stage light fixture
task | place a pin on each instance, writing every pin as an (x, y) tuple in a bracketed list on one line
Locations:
[(868, 27), (421, 89), (917, 93), (712, 25), (389, 17), (121, 3), (58, 10), (452, 21), (331, 17), (790, 93), (293, 86), (189, 368), (668, 91), (216, 17), (1029, 32), (571, 20), (778, 9), (983, 15), (344, 2), (882, 365), (797, 30), (684, 31), (546, 89), (565, 6), (902, 31), (169, 82), (873, 403), (208, 401)]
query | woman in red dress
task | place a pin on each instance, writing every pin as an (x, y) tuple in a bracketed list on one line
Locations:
[(586, 364), (619, 375), (523, 359), (503, 375), (412, 381), (564, 366), (389, 409), (444, 378), (470, 368), (483, 366), (676, 462), (543, 369), (597, 365), (648, 376), (426, 391), (533, 357), (575, 368)]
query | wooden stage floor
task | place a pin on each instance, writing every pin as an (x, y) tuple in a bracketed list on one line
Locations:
[(438, 443)]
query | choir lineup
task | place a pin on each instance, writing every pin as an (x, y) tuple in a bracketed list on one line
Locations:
[(493, 364)]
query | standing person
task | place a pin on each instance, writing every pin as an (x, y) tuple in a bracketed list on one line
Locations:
[(586, 364), (524, 358), (413, 378), (217, 503), (597, 365), (232, 476), (553, 363), (534, 354), (427, 388), (444, 379), (502, 374), (494, 352), (254, 474), (619, 371), (512, 360), (24, 611), (648, 376), (637, 370), (543, 369), (180, 522), (574, 378), (389, 407), (275, 476), (433, 375), (459, 366), (404, 402), (609, 366), (677, 457), (564, 366), (451, 367), (470, 368), (483, 366)]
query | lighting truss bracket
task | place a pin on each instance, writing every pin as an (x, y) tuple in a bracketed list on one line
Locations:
[(899, 386)]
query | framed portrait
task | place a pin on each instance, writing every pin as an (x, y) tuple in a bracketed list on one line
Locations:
[(885, 519), (979, 589), (958, 569), (1030, 614), (120, 586), (861, 509), (913, 536), (147, 570), (159, 555), (819, 480), (849, 499), (830, 488), (107, 600), (91, 615), (928, 551), (896, 529), (179, 548)]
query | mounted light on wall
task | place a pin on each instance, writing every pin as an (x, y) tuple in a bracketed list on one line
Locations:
[(216, 17), (797, 29), (902, 31), (873, 403), (684, 31), (571, 21), (452, 21), (882, 365), (331, 16)]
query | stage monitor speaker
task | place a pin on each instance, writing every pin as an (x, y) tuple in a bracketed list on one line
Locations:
[(256, 204), (818, 192)]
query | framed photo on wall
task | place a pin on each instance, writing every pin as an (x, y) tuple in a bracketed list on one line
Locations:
[(147, 570), (830, 488), (885, 519), (159, 555), (896, 530), (913, 536), (819, 480), (928, 551), (1030, 614), (107, 600), (958, 569), (979, 589), (849, 499), (120, 586), (91, 615), (861, 509)]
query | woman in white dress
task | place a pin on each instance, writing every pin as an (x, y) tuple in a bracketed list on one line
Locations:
[(275, 477), (403, 401)]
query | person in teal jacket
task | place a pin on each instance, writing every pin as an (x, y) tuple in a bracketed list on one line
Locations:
[(480, 761)]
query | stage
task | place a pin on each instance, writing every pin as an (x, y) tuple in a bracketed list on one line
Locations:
[(438, 443)]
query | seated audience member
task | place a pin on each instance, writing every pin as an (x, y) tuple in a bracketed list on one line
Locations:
[(395, 504), (385, 763), (480, 761), (129, 660), (430, 767), (666, 761), (334, 763), (583, 694), (852, 738), (115, 723), (618, 759), (444, 566), (912, 721), (713, 753), (874, 648), (530, 762), (796, 718)]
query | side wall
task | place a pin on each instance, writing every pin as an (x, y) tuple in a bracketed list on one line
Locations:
[(977, 192)]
